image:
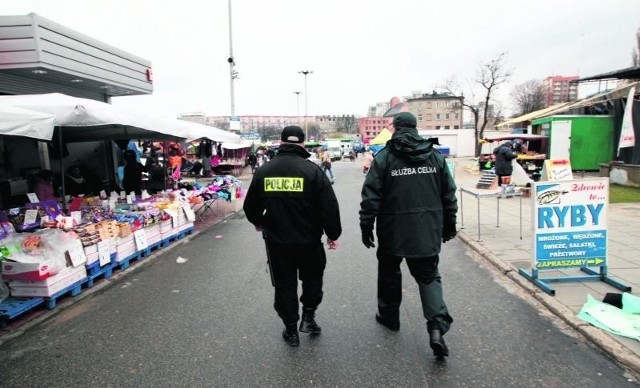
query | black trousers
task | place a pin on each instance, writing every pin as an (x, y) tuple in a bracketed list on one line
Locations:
[(425, 272), (290, 262)]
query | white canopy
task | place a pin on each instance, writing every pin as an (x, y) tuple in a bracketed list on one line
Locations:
[(22, 122), (197, 131), (236, 146), (83, 119)]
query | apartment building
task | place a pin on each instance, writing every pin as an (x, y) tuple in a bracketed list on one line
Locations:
[(256, 122), (559, 89), (370, 127), (436, 110)]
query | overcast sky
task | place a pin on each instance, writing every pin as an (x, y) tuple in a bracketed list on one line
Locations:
[(360, 52)]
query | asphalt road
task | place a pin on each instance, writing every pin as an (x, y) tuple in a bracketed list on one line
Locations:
[(209, 322)]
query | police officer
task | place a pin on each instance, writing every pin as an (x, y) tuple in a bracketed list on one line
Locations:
[(410, 195), (292, 202)]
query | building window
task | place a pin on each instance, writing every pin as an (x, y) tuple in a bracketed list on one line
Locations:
[(456, 127), (446, 127), (455, 115), (428, 105), (438, 116), (429, 117), (420, 117), (446, 116), (437, 127)]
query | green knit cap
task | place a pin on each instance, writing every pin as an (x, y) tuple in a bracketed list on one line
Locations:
[(405, 120)]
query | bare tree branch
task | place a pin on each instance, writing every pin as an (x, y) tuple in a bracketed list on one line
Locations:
[(529, 96), (490, 76)]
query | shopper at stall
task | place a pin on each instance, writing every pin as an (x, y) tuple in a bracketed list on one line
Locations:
[(410, 196), (504, 155), (43, 185), (292, 203), (76, 182), (132, 173), (205, 151)]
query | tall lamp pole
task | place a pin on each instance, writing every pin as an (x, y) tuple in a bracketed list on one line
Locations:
[(306, 126), (298, 103), (232, 73)]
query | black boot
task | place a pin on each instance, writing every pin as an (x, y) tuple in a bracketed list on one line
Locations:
[(308, 323), (437, 343), (392, 323), (290, 335)]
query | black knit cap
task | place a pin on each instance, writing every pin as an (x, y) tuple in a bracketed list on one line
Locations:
[(292, 134), (405, 120)]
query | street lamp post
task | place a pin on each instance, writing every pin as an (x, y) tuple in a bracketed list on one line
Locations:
[(298, 103), (306, 126), (232, 72)]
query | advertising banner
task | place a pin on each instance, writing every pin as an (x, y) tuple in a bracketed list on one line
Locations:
[(570, 224)]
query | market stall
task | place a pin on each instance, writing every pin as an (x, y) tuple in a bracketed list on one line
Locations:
[(532, 151), (48, 251)]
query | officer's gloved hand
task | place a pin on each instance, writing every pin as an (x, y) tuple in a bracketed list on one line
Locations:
[(448, 232), (367, 238)]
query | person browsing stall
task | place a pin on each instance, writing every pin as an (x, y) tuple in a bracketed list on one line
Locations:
[(504, 155), (132, 173), (410, 196), (291, 201)]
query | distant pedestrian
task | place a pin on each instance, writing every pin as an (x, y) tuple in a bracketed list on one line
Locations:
[(291, 201), (410, 196), (253, 160), (205, 151), (327, 158)]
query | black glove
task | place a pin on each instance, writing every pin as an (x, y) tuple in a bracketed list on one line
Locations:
[(448, 232), (367, 238)]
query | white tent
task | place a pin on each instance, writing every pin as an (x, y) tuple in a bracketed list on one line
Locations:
[(22, 122), (82, 119), (195, 131)]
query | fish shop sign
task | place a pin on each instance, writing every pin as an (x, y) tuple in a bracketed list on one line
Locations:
[(570, 224)]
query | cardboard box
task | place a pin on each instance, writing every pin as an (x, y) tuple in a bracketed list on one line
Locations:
[(12, 270), (90, 249), (154, 239), (124, 240), (169, 233), (186, 226), (49, 286), (125, 250), (92, 257)]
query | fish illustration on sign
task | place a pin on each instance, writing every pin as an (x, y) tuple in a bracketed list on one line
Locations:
[(550, 196)]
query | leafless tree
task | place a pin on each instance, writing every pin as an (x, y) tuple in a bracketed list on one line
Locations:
[(489, 77), (529, 96)]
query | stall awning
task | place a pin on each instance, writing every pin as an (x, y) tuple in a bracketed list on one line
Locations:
[(616, 93), (26, 123), (83, 119), (533, 115), (383, 137)]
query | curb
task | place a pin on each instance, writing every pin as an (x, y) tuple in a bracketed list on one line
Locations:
[(600, 338)]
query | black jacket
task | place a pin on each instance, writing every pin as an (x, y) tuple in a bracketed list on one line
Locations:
[(410, 194), (504, 155), (292, 199)]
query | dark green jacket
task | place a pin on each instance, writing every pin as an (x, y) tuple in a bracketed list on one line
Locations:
[(410, 194), (293, 200)]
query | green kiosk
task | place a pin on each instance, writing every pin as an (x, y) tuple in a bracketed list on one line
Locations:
[(586, 141)]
